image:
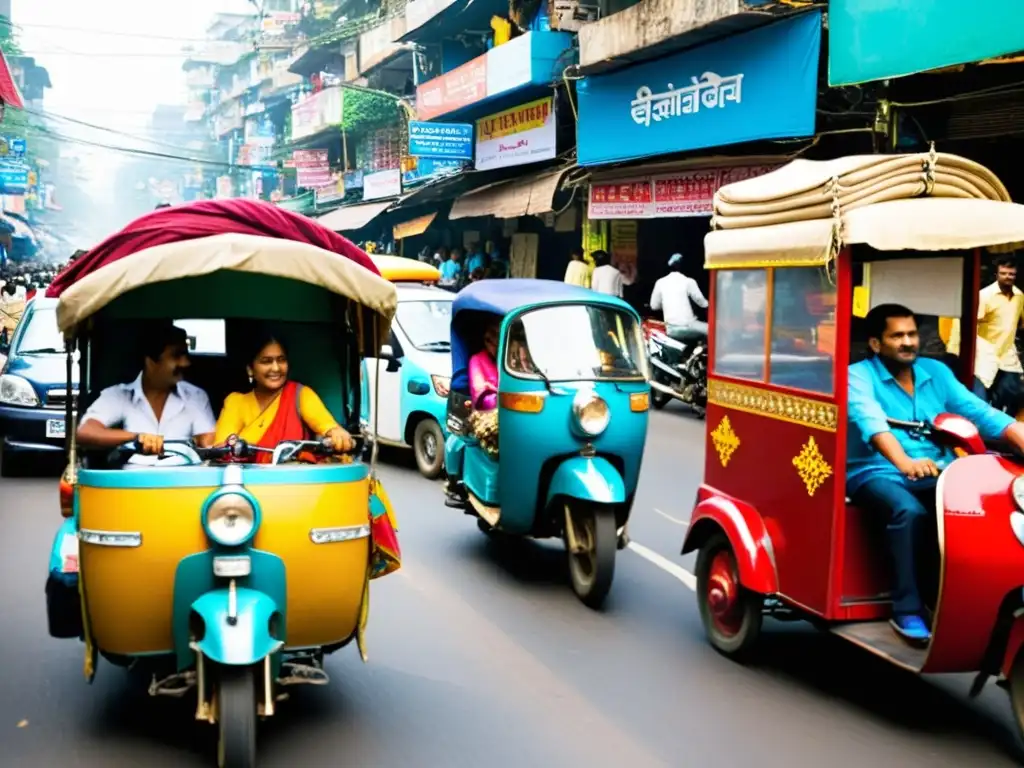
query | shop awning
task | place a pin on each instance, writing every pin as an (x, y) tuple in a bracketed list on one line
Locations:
[(529, 196), (413, 227), (354, 216)]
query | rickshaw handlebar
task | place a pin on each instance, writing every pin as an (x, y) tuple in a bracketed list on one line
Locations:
[(910, 425), (237, 448)]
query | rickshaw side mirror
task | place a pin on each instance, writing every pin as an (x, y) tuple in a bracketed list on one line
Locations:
[(387, 352)]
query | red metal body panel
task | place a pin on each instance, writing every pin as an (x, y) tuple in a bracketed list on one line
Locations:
[(746, 530), (761, 472), (982, 561), (960, 433)]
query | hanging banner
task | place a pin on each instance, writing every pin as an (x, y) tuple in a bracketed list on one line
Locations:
[(453, 90), (761, 84), (383, 184), (524, 134), (626, 199), (312, 168), (686, 193)]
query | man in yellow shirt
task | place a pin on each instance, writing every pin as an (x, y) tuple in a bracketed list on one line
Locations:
[(1000, 316)]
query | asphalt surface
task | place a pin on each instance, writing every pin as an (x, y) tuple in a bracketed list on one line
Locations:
[(481, 655)]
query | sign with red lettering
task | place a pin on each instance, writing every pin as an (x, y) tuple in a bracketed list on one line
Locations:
[(625, 199), (453, 90)]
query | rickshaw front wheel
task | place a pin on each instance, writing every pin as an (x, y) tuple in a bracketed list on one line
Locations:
[(731, 614), (659, 399), (428, 447), (236, 718), (592, 566)]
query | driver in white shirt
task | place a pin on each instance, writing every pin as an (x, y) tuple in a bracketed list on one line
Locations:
[(672, 294), (159, 405)]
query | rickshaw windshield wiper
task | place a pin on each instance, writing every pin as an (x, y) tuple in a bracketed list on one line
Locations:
[(436, 346), (41, 351)]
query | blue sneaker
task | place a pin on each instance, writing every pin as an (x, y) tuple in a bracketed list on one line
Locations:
[(912, 629)]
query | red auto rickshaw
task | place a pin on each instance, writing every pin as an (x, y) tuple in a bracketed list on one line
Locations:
[(798, 258)]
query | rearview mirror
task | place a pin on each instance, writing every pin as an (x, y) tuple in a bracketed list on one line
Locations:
[(387, 352)]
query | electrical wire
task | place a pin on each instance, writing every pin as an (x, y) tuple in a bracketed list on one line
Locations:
[(106, 33), (142, 153), (105, 129)]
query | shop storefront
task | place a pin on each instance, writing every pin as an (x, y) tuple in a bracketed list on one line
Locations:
[(750, 87)]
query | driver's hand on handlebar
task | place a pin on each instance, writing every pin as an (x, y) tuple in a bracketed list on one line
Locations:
[(341, 440), (918, 469), (152, 445)]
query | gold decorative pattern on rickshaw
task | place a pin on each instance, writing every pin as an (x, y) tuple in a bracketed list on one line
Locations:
[(775, 405), (726, 441), (811, 466)]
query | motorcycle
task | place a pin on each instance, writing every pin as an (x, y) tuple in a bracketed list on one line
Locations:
[(679, 369)]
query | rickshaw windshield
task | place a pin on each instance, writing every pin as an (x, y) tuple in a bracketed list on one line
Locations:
[(574, 343), (427, 324)]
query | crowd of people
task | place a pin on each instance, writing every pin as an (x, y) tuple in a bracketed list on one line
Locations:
[(459, 268)]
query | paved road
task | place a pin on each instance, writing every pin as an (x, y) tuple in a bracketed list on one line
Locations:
[(479, 657)]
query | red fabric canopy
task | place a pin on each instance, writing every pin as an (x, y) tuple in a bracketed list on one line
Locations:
[(9, 93), (205, 219)]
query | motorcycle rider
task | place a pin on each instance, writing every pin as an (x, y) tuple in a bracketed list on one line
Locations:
[(672, 294)]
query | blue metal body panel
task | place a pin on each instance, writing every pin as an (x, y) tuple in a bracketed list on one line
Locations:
[(212, 476), (589, 478), (248, 639), (194, 581)]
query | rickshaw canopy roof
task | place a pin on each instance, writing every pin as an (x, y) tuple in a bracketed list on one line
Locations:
[(399, 269), (499, 297), (503, 296), (203, 238), (918, 224), (803, 213)]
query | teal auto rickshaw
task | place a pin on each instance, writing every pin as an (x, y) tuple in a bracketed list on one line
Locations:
[(570, 416)]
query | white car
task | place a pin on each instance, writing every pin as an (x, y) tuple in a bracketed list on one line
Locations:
[(415, 374)]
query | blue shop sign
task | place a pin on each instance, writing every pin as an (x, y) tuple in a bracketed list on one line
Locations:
[(13, 179), (450, 141), (761, 84), (428, 169), (891, 38)]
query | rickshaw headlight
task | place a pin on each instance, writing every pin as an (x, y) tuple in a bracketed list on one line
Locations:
[(1018, 491), (230, 519), (591, 412)]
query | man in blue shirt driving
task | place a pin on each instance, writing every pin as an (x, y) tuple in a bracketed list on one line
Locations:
[(894, 471)]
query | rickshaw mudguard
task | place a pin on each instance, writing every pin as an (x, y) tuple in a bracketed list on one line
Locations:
[(982, 565), (588, 478), (244, 641), (744, 527), (194, 580)]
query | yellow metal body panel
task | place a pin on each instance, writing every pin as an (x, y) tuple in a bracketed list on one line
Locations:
[(129, 591)]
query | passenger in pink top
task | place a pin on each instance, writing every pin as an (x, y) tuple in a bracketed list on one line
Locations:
[(483, 372)]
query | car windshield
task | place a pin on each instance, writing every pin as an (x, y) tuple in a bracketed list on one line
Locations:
[(427, 324), (41, 336), (574, 343)]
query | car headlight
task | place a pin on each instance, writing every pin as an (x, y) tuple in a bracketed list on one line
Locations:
[(231, 519), (15, 390), (442, 385), (591, 413)]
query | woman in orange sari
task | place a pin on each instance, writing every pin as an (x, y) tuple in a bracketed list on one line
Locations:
[(277, 409)]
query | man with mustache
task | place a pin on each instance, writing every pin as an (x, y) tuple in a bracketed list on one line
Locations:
[(893, 471), (159, 405)]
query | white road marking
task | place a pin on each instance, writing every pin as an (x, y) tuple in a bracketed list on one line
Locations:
[(666, 565), (671, 519)]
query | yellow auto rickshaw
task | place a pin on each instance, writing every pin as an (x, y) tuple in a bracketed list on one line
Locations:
[(222, 578)]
